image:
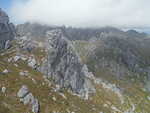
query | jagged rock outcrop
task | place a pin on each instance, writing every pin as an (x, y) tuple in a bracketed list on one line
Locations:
[(27, 98), (3, 89), (64, 65), (7, 30), (23, 91)]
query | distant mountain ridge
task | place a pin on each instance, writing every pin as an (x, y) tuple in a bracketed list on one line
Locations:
[(128, 49), (38, 30)]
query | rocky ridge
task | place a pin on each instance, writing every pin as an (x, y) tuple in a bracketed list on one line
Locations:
[(7, 30), (64, 65), (27, 98), (61, 63)]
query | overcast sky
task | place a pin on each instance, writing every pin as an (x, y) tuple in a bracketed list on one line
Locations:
[(83, 13)]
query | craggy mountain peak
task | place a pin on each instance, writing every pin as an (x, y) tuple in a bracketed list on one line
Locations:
[(64, 65), (7, 30)]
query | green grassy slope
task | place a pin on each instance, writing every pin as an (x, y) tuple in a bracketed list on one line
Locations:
[(104, 100)]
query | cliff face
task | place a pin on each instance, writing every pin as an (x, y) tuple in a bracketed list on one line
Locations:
[(7, 30), (64, 65)]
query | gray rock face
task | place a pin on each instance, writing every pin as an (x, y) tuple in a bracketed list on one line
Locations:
[(5, 71), (3, 90), (24, 73), (4, 17), (35, 106), (32, 62), (28, 99), (23, 91), (64, 65), (7, 30), (7, 44), (16, 58)]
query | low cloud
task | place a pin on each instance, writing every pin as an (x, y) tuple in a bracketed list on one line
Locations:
[(83, 13)]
